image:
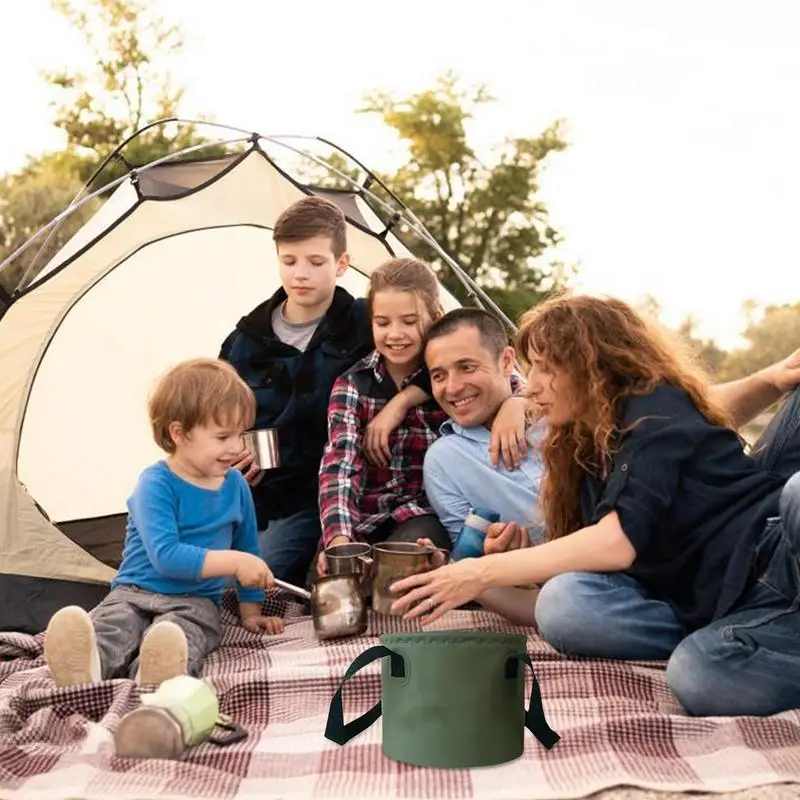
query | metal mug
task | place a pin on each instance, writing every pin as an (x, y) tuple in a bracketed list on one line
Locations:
[(263, 444), (396, 560), (351, 558), (337, 605)]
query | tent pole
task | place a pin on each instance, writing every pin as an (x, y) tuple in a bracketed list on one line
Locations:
[(403, 214), (71, 209), (407, 216)]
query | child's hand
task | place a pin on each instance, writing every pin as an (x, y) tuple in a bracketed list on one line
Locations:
[(253, 571), (257, 622), (509, 433), (375, 440)]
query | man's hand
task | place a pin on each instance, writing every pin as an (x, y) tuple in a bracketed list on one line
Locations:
[(785, 375), (252, 474), (503, 536), (251, 570), (509, 433), (322, 562)]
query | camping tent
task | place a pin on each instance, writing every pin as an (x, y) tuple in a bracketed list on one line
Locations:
[(177, 253)]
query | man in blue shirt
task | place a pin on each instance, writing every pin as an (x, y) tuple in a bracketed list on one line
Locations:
[(471, 370)]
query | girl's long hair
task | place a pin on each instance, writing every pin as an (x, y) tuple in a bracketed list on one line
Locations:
[(608, 352)]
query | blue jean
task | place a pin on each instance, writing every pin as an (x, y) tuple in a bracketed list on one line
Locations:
[(778, 447), (289, 545), (745, 663)]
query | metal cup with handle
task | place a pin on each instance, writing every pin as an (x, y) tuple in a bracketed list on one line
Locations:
[(396, 560), (263, 444), (352, 558)]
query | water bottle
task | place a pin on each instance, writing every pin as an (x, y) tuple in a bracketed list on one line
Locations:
[(181, 714), (473, 532)]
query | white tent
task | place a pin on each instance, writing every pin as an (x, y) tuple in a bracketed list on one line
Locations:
[(176, 255)]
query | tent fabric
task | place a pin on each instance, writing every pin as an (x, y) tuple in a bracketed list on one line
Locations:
[(162, 272)]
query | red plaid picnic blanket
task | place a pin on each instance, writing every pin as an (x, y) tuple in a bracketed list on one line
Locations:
[(618, 724)]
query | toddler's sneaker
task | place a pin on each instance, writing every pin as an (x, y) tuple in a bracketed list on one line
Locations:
[(163, 655), (70, 648)]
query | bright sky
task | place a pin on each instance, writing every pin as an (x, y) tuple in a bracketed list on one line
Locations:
[(683, 174)]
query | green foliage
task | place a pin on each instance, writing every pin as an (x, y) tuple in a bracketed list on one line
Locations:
[(771, 335), (30, 199), (707, 352), (486, 216), (128, 85)]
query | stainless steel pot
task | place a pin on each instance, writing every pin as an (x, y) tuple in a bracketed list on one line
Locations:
[(338, 607), (263, 444)]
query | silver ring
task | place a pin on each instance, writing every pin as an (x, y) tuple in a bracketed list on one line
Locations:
[(431, 603)]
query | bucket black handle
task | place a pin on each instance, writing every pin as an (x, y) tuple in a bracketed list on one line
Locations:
[(336, 730), (535, 720)]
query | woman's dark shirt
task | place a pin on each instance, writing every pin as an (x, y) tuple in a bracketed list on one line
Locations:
[(691, 501)]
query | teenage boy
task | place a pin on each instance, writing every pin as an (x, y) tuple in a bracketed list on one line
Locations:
[(290, 350)]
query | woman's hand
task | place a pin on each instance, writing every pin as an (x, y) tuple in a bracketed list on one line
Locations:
[(509, 433), (438, 591)]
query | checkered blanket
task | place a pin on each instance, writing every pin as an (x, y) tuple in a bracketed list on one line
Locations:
[(618, 725)]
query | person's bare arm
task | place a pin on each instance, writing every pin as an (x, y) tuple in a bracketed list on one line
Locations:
[(495, 579), (748, 397), (518, 606), (603, 547)]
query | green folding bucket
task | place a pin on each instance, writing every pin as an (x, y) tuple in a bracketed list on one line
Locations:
[(449, 699)]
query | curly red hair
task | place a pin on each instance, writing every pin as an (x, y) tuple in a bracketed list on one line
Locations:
[(608, 352)]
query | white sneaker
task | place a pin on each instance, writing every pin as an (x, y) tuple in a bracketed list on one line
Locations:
[(70, 648), (163, 655)]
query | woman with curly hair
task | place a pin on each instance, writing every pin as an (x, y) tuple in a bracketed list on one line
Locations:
[(665, 539)]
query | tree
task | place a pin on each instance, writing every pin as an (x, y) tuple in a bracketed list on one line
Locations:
[(772, 333), (706, 351), (128, 45), (650, 306), (486, 216), (128, 86), (30, 199)]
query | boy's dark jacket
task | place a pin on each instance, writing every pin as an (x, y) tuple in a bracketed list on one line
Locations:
[(292, 390)]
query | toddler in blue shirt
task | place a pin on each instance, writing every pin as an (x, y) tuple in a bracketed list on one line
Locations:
[(191, 529)]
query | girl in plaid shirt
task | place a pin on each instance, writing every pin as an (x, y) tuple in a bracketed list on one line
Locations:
[(375, 502)]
